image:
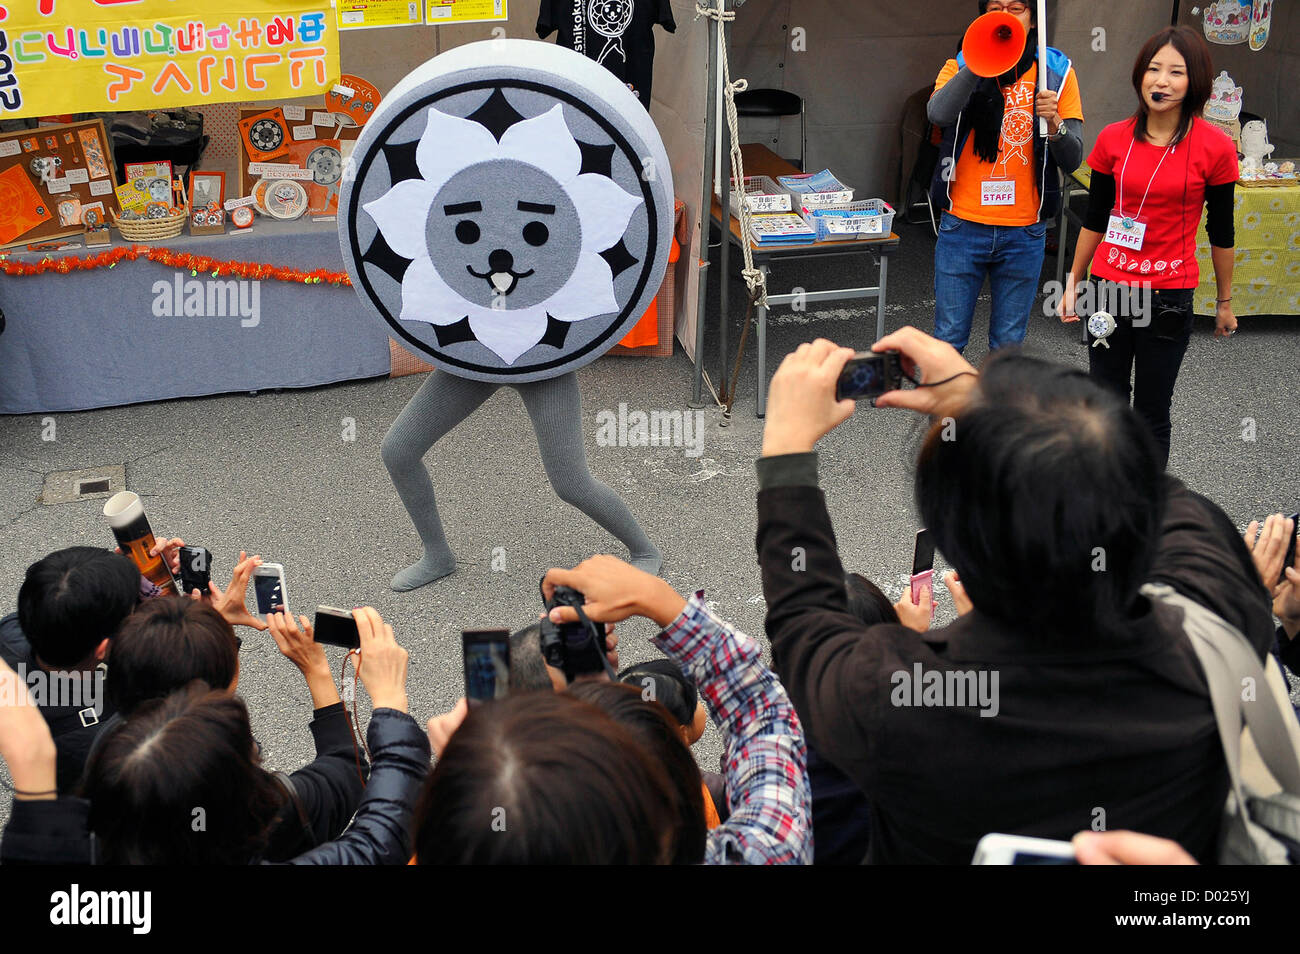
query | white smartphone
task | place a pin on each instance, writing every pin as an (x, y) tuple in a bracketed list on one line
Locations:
[(268, 584), (998, 849)]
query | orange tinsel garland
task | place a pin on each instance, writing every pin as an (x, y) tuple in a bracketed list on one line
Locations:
[(183, 260)]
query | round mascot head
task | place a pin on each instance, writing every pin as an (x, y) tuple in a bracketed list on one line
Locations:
[(508, 211)]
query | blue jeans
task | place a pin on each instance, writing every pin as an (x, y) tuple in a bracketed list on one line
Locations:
[(1011, 257)]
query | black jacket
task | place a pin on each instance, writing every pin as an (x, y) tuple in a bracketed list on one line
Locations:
[(1117, 729), (55, 832)]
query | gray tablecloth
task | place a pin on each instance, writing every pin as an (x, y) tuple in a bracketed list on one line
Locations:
[(108, 337)]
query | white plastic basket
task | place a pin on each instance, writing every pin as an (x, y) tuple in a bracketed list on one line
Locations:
[(868, 219), (762, 194)]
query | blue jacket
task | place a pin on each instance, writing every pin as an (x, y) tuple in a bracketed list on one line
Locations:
[(1049, 176)]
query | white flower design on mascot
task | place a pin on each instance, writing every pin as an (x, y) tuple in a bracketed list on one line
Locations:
[(544, 143)]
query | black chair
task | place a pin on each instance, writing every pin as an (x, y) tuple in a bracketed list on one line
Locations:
[(768, 103)]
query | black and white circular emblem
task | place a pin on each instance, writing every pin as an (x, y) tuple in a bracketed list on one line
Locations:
[(508, 211)]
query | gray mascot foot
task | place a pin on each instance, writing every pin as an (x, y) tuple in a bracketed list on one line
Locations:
[(652, 562), (425, 571)]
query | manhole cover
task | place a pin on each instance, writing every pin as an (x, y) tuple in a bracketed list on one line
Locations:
[(65, 486)]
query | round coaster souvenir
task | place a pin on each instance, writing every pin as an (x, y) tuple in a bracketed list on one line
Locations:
[(259, 195), (326, 164), (242, 217), (508, 211), (286, 199)]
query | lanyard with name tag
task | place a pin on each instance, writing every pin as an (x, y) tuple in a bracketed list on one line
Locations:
[(998, 192), (1126, 232)]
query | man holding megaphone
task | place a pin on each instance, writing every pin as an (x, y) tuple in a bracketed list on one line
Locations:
[(1006, 136)]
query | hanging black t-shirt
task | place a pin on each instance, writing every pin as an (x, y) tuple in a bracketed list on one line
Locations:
[(618, 34)]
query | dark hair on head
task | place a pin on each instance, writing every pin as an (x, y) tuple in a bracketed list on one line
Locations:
[(1200, 76), (150, 775), (1033, 9), (668, 686), (655, 728), (73, 599), (166, 644), (1049, 473), (867, 602), (528, 670), (543, 778)]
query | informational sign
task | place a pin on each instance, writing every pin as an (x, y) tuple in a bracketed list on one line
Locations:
[(75, 56), (359, 14), (442, 12)]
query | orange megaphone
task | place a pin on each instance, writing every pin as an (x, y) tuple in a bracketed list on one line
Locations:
[(993, 44)]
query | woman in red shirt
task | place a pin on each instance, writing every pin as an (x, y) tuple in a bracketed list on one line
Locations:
[(1152, 176)]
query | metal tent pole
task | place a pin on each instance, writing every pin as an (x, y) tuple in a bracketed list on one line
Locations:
[(706, 207)]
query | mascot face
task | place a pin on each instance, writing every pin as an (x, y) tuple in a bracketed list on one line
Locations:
[(506, 242), (513, 226), (508, 210)]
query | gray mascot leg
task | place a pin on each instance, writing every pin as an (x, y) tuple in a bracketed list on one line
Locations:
[(443, 401), (555, 405)]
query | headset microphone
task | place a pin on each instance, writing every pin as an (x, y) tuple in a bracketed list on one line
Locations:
[(1165, 97)]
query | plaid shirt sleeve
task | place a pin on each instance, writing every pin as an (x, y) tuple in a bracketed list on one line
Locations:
[(767, 775)]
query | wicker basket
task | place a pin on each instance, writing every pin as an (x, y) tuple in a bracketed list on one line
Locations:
[(403, 362), (153, 230)]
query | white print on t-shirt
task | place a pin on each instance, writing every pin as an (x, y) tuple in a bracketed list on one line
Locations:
[(1017, 126), (611, 18), (1143, 266)]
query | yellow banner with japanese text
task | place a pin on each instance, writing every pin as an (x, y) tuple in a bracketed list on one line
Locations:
[(75, 56)]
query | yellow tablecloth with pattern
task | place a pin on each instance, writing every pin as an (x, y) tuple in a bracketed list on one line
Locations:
[(1266, 277)]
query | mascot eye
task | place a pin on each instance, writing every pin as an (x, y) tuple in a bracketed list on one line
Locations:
[(536, 233), (467, 232)]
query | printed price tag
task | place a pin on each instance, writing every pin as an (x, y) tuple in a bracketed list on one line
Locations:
[(347, 92), (1126, 233), (295, 114), (323, 119), (304, 132), (101, 187), (998, 192), (10, 148), (59, 185), (78, 176), (232, 204), (279, 170)]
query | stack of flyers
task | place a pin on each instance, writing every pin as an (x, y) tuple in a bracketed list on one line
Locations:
[(817, 189), (781, 229)]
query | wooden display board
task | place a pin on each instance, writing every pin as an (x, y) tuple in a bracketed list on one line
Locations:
[(78, 163), (297, 148)]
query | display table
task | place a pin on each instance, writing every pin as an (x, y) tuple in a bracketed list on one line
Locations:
[(761, 161), (1266, 276), (109, 337)]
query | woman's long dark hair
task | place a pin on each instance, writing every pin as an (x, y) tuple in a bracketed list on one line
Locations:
[(1200, 73)]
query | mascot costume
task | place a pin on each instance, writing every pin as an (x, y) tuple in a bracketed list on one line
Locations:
[(507, 211)]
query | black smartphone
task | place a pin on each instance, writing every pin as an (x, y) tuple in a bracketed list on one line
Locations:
[(196, 569), (487, 664), (869, 375), (1290, 548), (336, 627)]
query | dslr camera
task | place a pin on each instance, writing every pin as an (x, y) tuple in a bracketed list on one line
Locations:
[(577, 649)]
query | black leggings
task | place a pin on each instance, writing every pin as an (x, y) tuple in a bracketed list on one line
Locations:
[(1152, 353)]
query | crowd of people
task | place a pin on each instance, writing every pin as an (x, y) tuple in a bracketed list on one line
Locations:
[(1101, 703)]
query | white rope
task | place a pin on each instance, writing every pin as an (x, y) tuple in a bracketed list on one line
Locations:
[(754, 278)]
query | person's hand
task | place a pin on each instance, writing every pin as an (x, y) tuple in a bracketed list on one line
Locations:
[(25, 742), (913, 615), (958, 593), (442, 727), (801, 405), (613, 591), (1268, 550), (1069, 299), (1127, 848), (233, 603), (1045, 106), (1225, 322), (299, 646), (169, 550), (382, 667), (934, 360), (1286, 599)]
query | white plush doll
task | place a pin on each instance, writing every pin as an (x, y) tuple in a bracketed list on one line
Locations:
[(1254, 142)]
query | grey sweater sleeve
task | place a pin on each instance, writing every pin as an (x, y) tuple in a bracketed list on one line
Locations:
[(1068, 150), (945, 104)]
